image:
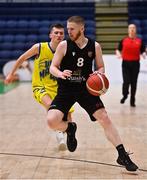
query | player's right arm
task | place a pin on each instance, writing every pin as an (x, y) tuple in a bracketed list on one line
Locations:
[(34, 50), (99, 59), (56, 61)]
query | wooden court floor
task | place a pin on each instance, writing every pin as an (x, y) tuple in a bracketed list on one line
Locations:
[(28, 149)]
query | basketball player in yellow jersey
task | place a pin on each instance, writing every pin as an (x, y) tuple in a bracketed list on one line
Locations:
[(44, 85)]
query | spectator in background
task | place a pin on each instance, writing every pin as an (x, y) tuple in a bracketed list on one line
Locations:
[(129, 49)]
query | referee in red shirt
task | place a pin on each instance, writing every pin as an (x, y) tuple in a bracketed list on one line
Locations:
[(129, 49)]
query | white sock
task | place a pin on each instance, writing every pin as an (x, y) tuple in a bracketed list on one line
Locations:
[(60, 136)]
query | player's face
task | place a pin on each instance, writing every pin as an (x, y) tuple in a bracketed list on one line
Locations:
[(132, 29), (57, 35), (74, 30)]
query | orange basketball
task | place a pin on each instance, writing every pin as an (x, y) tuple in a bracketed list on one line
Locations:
[(97, 84)]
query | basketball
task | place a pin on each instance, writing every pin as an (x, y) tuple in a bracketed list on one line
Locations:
[(97, 84)]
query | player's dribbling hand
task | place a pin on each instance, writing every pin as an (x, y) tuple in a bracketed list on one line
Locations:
[(96, 72), (65, 74)]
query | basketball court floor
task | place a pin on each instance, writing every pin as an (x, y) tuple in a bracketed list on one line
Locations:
[(28, 149)]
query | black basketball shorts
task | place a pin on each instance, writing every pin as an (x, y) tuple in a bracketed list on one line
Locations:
[(64, 101)]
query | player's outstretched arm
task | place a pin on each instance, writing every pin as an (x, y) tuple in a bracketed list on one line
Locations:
[(34, 50)]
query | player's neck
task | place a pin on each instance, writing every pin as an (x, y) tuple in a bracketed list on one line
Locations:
[(53, 46), (81, 42)]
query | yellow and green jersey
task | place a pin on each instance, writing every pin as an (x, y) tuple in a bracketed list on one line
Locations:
[(41, 76)]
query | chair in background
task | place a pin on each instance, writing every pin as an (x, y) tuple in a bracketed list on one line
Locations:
[(5, 54), (43, 38), (33, 24), (43, 30), (8, 38), (11, 24), (1, 38), (45, 23), (18, 46), (22, 24), (20, 38), (6, 46), (32, 38), (16, 53), (137, 22), (2, 23)]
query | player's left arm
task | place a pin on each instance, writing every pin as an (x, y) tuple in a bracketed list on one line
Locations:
[(99, 58)]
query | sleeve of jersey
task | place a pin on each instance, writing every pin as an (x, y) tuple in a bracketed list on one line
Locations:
[(120, 46)]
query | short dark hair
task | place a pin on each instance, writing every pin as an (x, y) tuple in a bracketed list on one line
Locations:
[(57, 25), (76, 19)]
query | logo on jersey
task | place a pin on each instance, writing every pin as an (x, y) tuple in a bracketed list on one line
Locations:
[(73, 53), (76, 76), (44, 70), (90, 53), (76, 79)]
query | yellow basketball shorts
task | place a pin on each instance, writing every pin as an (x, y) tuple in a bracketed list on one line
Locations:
[(40, 92)]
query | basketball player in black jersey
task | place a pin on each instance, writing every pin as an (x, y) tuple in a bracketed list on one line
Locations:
[(72, 64)]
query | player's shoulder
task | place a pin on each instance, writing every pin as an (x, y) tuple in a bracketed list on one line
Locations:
[(43, 44), (38, 47), (35, 47), (94, 42), (97, 44), (62, 44)]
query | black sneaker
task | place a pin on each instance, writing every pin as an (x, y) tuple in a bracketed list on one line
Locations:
[(132, 102), (132, 105), (71, 139), (127, 162), (123, 100)]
